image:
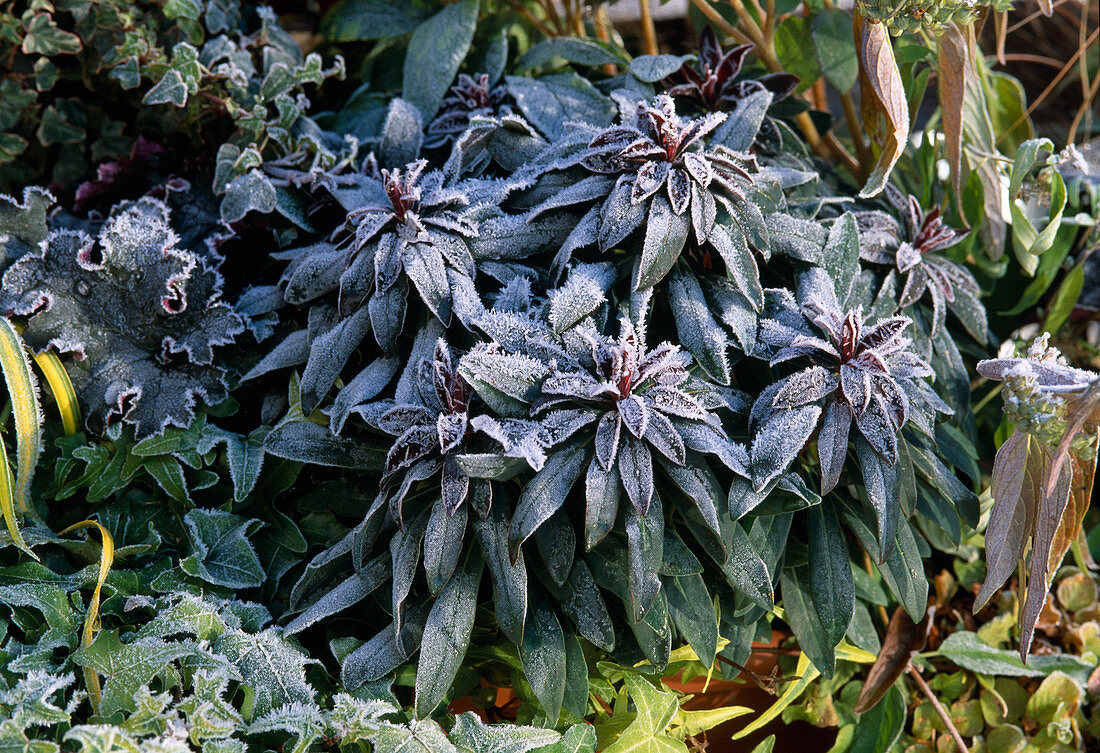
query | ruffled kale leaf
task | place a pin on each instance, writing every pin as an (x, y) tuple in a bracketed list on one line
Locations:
[(139, 316)]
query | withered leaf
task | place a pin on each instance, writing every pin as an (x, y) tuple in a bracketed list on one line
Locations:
[(904, 638), (878, 72), (1018, 475)]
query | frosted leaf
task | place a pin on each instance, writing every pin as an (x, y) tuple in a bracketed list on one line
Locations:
[(582, 293), (778, 435), (651, 176), (832, 443), (675, 403), (451, 428), (415, 443), (143, 323), (662, 434), (635, 415), (582, 191), (879, 430), (512, 374), (619, 215), (364, 386), (607, 439), (679, 190), (399, 418), (636, 472), (23, 226), (805, 386), (698, 331), (855, 385)]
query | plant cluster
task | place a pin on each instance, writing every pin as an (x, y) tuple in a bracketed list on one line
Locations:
[(550, 368)]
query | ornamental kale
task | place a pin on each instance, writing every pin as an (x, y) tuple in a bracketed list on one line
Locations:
[(139, 315)]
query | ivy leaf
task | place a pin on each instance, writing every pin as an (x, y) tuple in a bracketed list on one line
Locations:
[(647, 733), (43, 37), (273, 670), (221, 551), (126, 666)]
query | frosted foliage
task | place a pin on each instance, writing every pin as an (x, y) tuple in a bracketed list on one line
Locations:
[(142, 325)]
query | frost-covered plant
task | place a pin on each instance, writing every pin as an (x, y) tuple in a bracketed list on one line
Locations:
[(470, 97), (866, 372), (1043, 473), (913, 249), (654, 170), (138, 315), (714, 84)]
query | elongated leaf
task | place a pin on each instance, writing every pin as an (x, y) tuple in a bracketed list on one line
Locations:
[(62, 389), (546, 492), (23, 393), (689, 604), (904, 638), (831, 587), (436, 50), (1018, 474), (509, 575), (443, 543), (695, 324), (644, 554), (884, 92), (805, 622), (542, 653), (665, 236), (879, 729), (447, 636)]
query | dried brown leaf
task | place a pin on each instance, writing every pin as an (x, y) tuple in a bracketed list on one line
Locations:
[(879, 76), (904, 638)]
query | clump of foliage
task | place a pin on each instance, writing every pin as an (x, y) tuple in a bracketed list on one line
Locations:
[(547, 367), (179, 73)]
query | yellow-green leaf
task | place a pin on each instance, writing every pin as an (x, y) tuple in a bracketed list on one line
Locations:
[(91, 619), (23, 392), (62, 388), (807, 673), (7, 505)]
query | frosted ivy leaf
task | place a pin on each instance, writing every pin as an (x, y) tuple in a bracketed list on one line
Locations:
[(31, 701), (138, 315)]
